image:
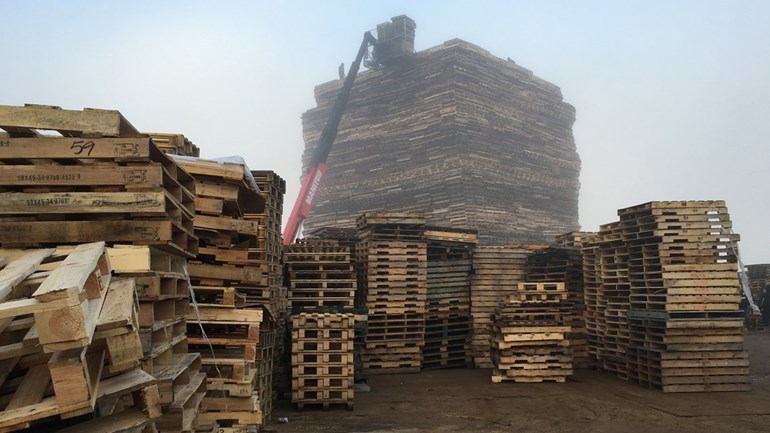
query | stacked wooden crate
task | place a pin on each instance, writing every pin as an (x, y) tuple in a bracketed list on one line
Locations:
[(174, 144), (497, 272), (448, 304), (322, 359), (270, 251), (686, 328), (272, 188), (613, 301), (68, 190), (392, 259), (758, 280), (565, 263), (591, 282), (163, 292), (529, 338), (70, 343), (321, 275), (100, 180), (224, 325)]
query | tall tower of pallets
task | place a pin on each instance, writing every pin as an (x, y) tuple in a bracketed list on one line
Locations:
[(472, 140)]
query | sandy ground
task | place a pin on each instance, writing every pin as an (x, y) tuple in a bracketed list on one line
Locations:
[(467, 401)]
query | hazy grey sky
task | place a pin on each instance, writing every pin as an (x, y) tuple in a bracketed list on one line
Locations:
[(672, 97)]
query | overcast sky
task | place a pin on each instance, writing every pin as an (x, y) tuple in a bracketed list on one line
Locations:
[(672, 97)]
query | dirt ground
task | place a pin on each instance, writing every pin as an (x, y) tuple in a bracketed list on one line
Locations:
[(467, 401)]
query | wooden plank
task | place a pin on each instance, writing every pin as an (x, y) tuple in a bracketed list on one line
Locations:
[(32, 388), (131, 420), (69, 327), (83, 202), (28, 306), (119, 309), (244, 274), (19, 269), (224, 315), (75, 375), (87, 121), (70, 278), (215, 190), (225, 224), (78, 175), (130, 259), (139, 149), (205, 167), (208, 205), (85, 231)]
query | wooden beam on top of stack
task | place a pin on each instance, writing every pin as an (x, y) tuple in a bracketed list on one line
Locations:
[(497, 272), (70, 342), (392, 259), (175, 144), (686, 327), (529, 336), (448, 303), (565, 263)]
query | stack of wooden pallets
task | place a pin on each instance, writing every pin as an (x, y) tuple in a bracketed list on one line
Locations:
[(594, 316), (392, 259), (175, 144), (272, 188), (613, 301), (497, 272), (71, 343), (488, 147), (759, 279), (102, 180), (529, 338), (163, 292), (321, 275), (228, 339), (322, 359), (448, 304), (686, 328), (565, 263), (270, 250)]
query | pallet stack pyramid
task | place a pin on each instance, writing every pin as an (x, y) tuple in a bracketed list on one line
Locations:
[(529, 337), (448, 304), (686, 328), (497, 272), (322, 359), (392, 259)]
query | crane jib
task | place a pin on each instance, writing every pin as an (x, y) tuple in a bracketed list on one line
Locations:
[(314, 187)]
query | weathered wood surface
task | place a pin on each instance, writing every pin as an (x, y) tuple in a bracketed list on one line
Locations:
[(89, 121)]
